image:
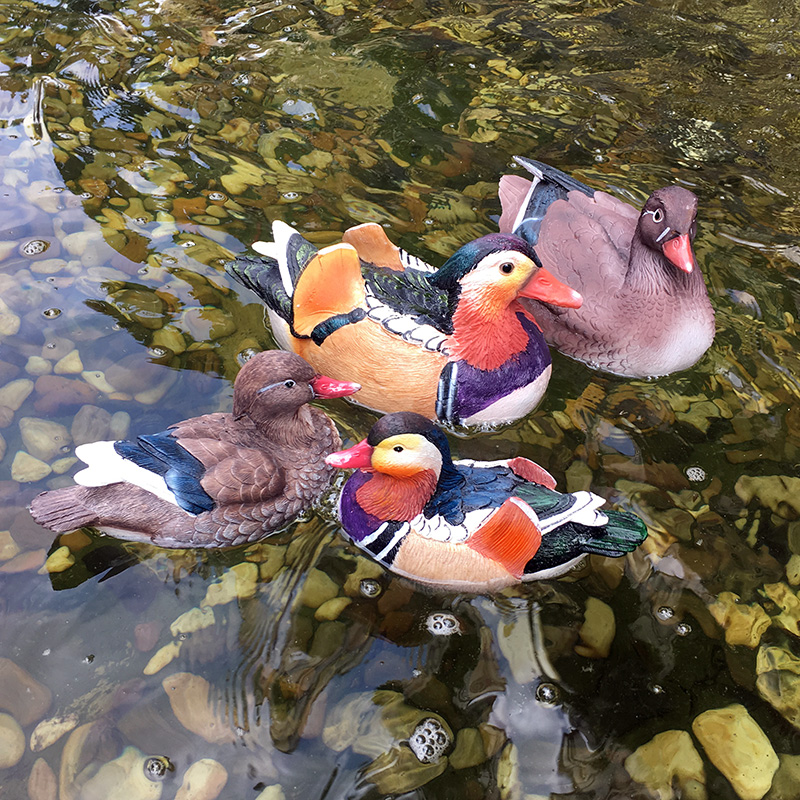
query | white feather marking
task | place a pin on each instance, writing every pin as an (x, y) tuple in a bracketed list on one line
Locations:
[(268, 249), (282, 232), (663, 233), (107, 466)]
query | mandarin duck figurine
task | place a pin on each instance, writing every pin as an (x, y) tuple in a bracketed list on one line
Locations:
[(217, 480), (646, 310), (466, 524), (453, 344)]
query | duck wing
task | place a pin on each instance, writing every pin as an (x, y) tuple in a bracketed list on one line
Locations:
[(582, 236), (409, 295)]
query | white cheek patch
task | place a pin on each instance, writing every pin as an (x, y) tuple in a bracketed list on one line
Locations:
[(663, 233), (107, 466)]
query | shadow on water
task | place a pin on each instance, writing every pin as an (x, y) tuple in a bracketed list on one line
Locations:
[(144, 143)]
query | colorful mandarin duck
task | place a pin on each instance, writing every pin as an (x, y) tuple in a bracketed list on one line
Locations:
[(467, 524), (453, 344), (646, 309), (212, 481)]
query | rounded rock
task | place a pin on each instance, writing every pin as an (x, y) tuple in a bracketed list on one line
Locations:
[(204, 780), (12, 741)]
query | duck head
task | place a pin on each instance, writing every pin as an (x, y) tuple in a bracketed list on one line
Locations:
[(493, 271), (668, 224), (274, 384), (408, 460)]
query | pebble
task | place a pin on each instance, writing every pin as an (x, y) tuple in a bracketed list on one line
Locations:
[(15, 393), (21, 694), (239, 582), (50, 730), (59, 560), (668, 760), (8, 547), (469, 750), (27, 469), (55, 392), (145, 635), (738, 748), (97, 379), (743, 624), (195, 619), (189, 697), (3, 447), (163, 656), (90, 424), (120, 425), (12, 741), (42, 783), (44, 439), (9, 321), (778, 681), (317, 589), (331, 609), (122, 778), (38, 366), (274, 792), (71, 364), (62, 465), (24, 562), (597, 631), (204, 780)]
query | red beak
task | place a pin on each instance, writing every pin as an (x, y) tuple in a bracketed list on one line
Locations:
[(357, 456), (546, 287), (678, 251), (324, 386)]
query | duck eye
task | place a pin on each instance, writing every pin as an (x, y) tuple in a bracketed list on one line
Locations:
[(289, 384), (397, 448), (507, 268), (658, 215)]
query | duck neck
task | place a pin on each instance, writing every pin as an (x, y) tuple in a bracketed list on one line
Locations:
[(291, 429), (650, 273), (388, 497), (484, 336)]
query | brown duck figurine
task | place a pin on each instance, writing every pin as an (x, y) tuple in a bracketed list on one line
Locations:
[(217, 480), (645, 307)]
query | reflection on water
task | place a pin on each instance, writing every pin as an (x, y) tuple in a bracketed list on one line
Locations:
[(144, 143)]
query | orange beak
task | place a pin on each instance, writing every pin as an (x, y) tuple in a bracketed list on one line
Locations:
[(324, 386), (546, 287), (678, 251), (355, 457)]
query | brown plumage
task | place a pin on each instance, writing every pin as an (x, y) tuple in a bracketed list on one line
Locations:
[(235, 477), (645, 307)]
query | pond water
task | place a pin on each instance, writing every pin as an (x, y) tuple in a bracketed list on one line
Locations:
[(145, 142)]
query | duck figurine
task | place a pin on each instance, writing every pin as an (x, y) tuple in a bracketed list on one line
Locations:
[(467, 524), (218, 480), (453, 343), (646, 310)]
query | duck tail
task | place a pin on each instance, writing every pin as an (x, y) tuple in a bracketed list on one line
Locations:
[(622, 534), (525, 203), (274, 275), (62, 510)]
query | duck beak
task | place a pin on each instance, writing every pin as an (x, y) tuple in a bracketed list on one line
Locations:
[(678, 251), (544, 286), (355, 457), (323, 386)]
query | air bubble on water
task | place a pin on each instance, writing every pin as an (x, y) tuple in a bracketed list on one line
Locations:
[(34, 247), (683, 629), (665, 612), (695, 474), (370, 588), (547, 693), (442, 624), (429, 741)]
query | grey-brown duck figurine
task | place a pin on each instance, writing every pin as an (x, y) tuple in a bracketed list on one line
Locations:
[(217, 480), (645, 307)]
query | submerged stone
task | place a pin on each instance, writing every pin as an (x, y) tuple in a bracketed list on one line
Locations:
[(12, 741), (21, 695), (42, 782), (743, 624), (189, 697), (49, 731), (778, 681), (27, 469), (43, 438), (667, 761), (738, 748), (123, 778), (204, 780), (598, 630)]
